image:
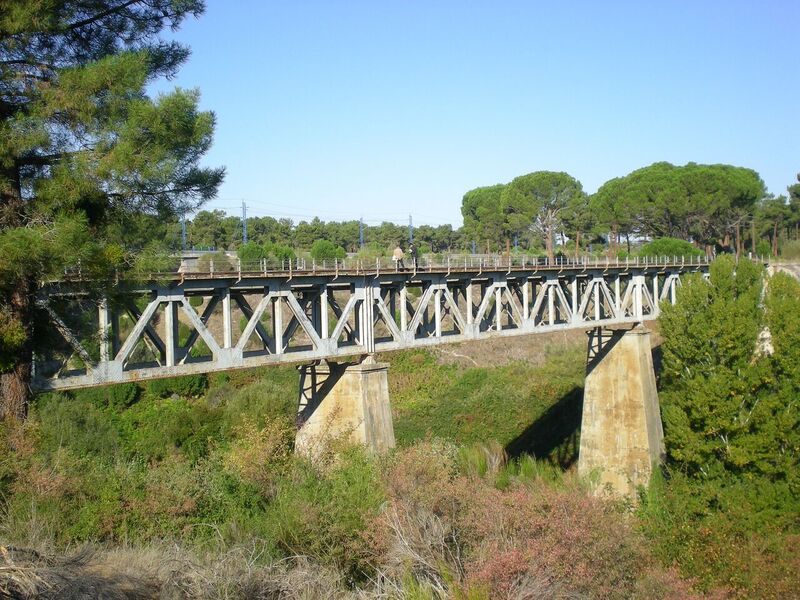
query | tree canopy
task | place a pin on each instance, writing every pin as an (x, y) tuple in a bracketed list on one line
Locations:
[(483, 217), (728, 400), (539, 201), (531, 208), (711, 206), (85, 151), (704, 203)]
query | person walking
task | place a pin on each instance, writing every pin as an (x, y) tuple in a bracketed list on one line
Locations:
[(397, 257)]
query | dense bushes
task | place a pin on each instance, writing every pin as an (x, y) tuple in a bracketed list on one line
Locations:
[(322, 511), (456, 534), (325, 250), (737, 534), (669, 247), (728, 511), (420, 521), (210, 466), (434, 519), (189, 386), (727, 399), (118, 396), (251, 253)]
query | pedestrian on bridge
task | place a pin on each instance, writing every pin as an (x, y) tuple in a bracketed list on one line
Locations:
[(412, 249), (397, 257)]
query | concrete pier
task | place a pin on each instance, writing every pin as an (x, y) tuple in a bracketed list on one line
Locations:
[(344, 401), (622, 437)]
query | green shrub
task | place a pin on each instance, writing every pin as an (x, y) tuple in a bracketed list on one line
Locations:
[(763, 248), (730, 421), (710, 380), (77, 424), (221, 261), (730, 533), (251, 253), (264, 400), (154, 429), (669, 247), (324, 513), (371, 251), (189, 386), (117, 396), (259, 456), (325, 250), (279, 252)]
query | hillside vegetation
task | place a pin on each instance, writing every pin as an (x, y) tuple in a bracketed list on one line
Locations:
[(188, 487)]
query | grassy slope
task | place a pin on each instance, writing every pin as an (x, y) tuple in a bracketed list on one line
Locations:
[(526, 408)]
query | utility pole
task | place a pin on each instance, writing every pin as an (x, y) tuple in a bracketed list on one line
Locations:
[(410, 230), (244, 222), (183, 232), (361, 232)]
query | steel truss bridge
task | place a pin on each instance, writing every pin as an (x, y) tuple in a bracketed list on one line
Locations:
[(181, 324)]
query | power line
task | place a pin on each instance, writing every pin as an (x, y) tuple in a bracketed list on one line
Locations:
[(244, 222), (264, 209)]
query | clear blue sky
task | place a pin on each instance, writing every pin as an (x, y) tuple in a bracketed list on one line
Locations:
[(380, 109)]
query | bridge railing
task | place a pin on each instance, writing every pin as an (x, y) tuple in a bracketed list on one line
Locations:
[(188, 323), (175, 267)]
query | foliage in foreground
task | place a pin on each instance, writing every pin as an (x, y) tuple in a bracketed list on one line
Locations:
[(667, 246), (426, 522), (728, 401), (216, 475), (208, 465), (728, 512)]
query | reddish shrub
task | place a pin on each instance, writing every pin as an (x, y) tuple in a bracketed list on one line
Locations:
[(464, 535)]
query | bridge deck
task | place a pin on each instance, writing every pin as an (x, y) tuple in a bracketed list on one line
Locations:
[(185, 323)]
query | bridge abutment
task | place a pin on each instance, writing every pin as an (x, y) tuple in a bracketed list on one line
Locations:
[(344, 401), (622, 438)]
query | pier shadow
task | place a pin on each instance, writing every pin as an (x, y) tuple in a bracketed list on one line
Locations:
[(554, 436), (658, 357), (315, 387)]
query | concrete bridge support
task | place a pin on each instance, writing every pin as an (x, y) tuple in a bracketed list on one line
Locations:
[(344, 401), (622, 438)]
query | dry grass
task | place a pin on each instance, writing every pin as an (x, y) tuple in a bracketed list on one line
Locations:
[(163, 572), (497, 352)]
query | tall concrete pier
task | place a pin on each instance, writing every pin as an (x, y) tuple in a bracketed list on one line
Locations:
[(350, 401), (622, 438)]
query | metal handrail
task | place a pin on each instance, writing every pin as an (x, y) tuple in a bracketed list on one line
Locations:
[(444, 263)]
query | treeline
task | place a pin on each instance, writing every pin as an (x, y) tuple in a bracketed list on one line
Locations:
[(715, 207), (215, 229)]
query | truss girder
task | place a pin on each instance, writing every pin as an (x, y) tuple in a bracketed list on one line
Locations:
[(307, 318)]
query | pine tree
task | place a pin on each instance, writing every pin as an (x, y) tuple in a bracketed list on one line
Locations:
[(83, 149), (729, 408)]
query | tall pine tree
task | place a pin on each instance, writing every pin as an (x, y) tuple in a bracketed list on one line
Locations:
[(729, 400), (83, 148)]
